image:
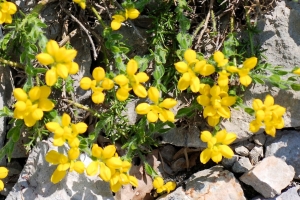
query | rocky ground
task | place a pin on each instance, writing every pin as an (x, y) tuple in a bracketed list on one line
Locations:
[(263, 167)]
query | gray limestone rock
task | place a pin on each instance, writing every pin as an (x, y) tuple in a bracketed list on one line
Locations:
[(290, 194), (259, 139), (242, 165), (34, 181), (285, 146), (269, 176), (209, 184), (255, 154), (228, 162), (241, 150)]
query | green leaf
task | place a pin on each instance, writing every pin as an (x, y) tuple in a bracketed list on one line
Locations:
[(159, 72), (292, 78), (143, 63), (116, 36), (6, 112), (184, 40), (115, 49), (258, 80), (274, 78), (249, 111), (160, 54), (295, 86), (149, 170), (183, 112)]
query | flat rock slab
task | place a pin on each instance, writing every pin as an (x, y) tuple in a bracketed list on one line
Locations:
[(269, 176), (286, 146), (290, 194), (209, 184), (34, 181)]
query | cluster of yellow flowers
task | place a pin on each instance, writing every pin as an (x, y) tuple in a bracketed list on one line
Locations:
[(190, 68), (118, 19), (81, 3), (158, 184), (158, 110), (3, 174), (112, 168), (242, 71), (131, 80), (61, 61), (217, 146), (7, 9), (66, 131), (215, 101), (97, 85), (30, 107), (269, 114)]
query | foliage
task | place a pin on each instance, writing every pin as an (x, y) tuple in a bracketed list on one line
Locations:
[(155, 80)]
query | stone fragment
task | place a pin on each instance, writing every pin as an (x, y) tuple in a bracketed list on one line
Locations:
[(241, 150), (269, 176), (259, 139), (179, 165), (167, 152), (183, 138), (256, 154), (34, 181), (249, 145), (228, 162), (286, 146), (242, 165), (209, 184), (290, 194)]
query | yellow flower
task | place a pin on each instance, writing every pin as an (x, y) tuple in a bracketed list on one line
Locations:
[(158, 110), (217, 146), (102, 157), (81, 3), (121, 177), (61, 61), (189, 70), (130, 13), (97, 85), (131, 80), (3, 174), (244, 71), (64, 164), (31, 106), (66, 131), (6, 10), (269, 114), (220, 59), (216, 103), (297, 71), (158, 184)]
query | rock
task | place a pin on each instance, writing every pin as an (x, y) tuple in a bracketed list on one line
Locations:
[(248, 145), (19, 148), (290, 194), (167, 152), (179, 165), (34, 181), (238, 124), (269, 176), (6, 88), (259, 139), (228, 162), (242, 165), (209, 184), (255, 154), (183, 138), (285, 146), (241, 150), (279, 35)]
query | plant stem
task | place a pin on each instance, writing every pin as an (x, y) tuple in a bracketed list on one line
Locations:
[(83, 107), (98, 16), (11, 63)]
